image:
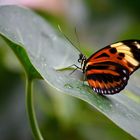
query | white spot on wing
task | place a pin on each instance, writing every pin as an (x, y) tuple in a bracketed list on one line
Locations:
[(126, 52), (102, 91), (108, 91), (131, 60), (123, 47), (96, 90), (124, 78), (116, 44), (137, 44), (124, 71)]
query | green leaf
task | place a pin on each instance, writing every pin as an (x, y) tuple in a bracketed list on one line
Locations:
[(43, 52)]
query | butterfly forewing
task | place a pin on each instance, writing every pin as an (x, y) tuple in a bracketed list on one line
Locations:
[(108, 70)]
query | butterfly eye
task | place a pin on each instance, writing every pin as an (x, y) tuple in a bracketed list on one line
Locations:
[(80, 58)]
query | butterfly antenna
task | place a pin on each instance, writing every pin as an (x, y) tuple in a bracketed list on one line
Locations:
[(69, 39), (77, 37)]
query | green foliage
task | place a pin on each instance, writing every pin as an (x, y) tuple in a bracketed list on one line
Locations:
[(42, 52)]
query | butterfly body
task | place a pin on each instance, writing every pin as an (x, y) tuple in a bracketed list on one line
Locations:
[(107, 71)]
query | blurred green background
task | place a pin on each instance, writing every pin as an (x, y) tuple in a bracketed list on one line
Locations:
[(62, 117)]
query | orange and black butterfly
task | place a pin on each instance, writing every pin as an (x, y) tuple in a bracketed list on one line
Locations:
[(107, 71)]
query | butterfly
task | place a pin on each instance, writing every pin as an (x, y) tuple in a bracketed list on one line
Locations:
[(108, 70)]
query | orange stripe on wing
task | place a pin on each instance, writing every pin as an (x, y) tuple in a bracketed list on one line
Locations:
[(102, 71), (112, 85), (92, 83)]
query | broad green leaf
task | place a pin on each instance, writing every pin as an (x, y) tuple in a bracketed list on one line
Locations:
[(44, 51)]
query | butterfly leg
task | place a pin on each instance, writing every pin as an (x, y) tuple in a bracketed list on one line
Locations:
[(74, 69)]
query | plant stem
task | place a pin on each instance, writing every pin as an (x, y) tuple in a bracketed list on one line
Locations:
[(30, 110)]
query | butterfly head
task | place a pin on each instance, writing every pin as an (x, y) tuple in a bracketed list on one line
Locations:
[(82, 60)]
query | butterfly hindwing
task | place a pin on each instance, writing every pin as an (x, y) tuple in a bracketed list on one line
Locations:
[(108, 70), (107, 77)]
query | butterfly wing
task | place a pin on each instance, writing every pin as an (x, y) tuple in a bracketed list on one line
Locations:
[(108, 70)]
